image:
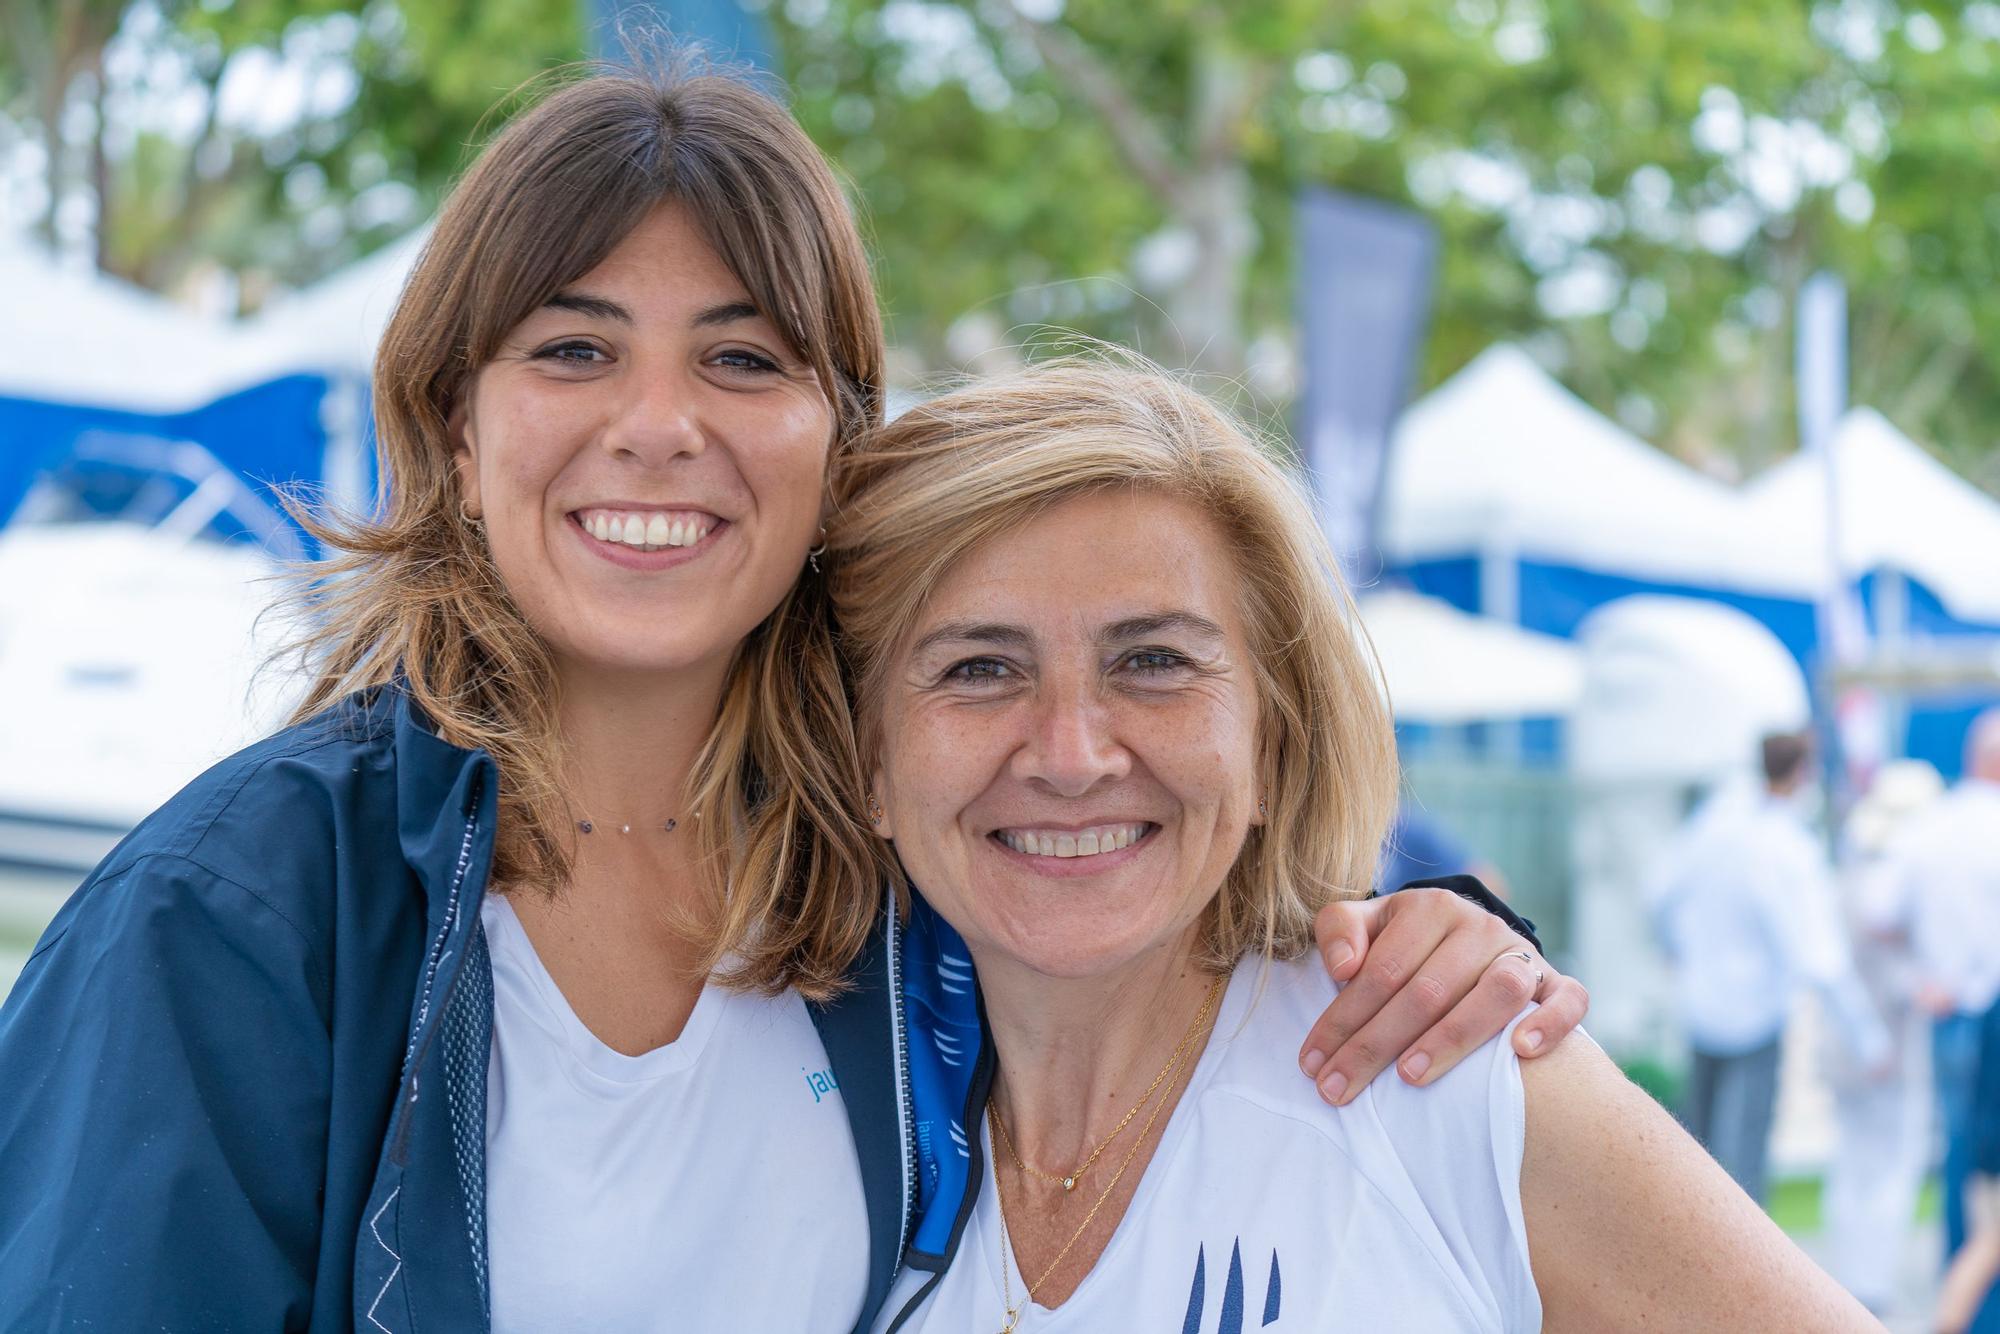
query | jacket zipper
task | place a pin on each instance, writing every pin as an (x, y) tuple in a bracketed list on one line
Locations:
[(426, 1031), (906, 1100)]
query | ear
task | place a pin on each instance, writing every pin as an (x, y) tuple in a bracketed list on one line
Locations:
[(885, 827), (464, 453), (1260, 796)]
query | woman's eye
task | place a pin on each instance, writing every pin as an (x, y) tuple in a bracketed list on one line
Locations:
[(979, 670), (573, 354), (737, 359), (1154, 661)]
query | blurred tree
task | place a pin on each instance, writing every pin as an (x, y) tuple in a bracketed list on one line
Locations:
[(266, 141), (1635, 188), (50, 46)]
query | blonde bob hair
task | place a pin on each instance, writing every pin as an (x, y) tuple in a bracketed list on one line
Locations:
[(410, 599), (918, 496)]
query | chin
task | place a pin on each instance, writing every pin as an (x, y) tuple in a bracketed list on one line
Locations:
[(1078, 953), (639, 654)]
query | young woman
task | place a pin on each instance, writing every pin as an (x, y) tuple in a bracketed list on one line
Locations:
[(285, 1062), (1125, 739)]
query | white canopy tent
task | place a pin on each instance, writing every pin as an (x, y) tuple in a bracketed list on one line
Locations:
[(1900, 509), (73, 336), (1444, 667), (1501, 459), (333, 326)]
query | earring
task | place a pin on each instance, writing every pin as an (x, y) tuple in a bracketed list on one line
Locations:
[(813, 555), (1263, 806), (875, 811), (473, 521)]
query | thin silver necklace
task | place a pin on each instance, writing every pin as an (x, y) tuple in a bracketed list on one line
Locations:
[(590, 827)]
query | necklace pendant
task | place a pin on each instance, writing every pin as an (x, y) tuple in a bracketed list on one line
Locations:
[(1069, 1183)]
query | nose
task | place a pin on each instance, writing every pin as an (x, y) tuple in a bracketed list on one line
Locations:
[(658, 419), (1071, 746)]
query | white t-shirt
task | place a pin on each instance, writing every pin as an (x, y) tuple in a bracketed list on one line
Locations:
[(1265, 1209), (710, 1184)]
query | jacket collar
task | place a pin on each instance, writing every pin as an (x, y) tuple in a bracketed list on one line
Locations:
[(439, 789)]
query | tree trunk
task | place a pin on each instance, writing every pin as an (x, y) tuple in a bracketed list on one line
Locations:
[(100, 167), (1214, 205), (52, 145)]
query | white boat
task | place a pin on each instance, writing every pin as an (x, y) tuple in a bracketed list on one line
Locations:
[(135, 579)]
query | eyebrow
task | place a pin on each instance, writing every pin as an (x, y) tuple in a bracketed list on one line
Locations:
[(727, 313), (973, 632), (596, 307), (1118, 632), (1162, 622)]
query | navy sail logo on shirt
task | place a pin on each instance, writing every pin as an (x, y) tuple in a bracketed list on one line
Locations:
[(1231, 1321)]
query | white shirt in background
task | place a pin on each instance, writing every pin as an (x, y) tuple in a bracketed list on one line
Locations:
[(1264, 1209), (1940, 880), (710, 1184), (1745, 909)]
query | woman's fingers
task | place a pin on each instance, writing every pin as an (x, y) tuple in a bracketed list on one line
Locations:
[(1509, 981), (1563, 1005), (1437, 989), (1343, 930), (1405, 929)]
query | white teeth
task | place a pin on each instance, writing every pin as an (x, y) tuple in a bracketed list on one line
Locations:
[(650, 531), (1090, 843)]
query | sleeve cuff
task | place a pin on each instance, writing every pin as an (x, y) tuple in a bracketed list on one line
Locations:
[(1469, 887)]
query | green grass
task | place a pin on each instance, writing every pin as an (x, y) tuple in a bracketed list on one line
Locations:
[(1795, 1204)]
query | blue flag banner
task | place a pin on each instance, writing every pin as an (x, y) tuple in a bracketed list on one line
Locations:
[(1364, 296)]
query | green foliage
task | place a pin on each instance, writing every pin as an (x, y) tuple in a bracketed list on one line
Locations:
[(1636, 187), (399, 91)]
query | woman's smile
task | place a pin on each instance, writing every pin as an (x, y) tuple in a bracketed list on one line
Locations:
[(643, 539), (1071, 851)]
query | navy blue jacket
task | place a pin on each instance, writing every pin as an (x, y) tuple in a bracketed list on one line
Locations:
[(243, 1075)]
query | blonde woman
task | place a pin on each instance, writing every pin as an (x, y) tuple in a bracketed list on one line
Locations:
[(1125, 738), (542, 975)]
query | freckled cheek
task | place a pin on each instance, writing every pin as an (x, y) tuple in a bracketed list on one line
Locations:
[(784, 456), (527, 462)]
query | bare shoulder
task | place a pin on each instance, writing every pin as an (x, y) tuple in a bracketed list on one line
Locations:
[(1630, 1221)]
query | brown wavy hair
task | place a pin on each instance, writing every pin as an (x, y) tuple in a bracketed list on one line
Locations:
[(916, 497), (408, 596)]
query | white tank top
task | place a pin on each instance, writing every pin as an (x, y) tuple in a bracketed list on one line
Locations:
[(710, 1184), (1264, 1209)]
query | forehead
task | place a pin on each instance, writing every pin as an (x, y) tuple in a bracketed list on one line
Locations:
[(1093, 559), (665, 261)]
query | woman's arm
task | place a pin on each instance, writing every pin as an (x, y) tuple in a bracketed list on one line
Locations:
[(1631, 1224), (166, 1065), (1428, 976)]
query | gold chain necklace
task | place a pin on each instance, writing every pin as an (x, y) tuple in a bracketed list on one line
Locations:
[(1068, 1183), (1000, 1194)]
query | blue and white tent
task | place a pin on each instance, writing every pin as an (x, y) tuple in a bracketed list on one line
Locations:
[(1508, 496), (277, 399)]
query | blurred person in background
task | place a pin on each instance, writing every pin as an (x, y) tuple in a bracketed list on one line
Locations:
[(1882, 1113), (1745, 912), (1941, 884), (1969, 1298), (545, 976)]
